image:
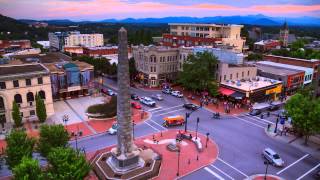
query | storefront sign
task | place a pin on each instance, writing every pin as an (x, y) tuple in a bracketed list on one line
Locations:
[(74, 88), (275, 90)]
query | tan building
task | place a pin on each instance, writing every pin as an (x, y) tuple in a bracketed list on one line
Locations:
[(228, 35), (230, 72), (20, 83), (87, 40)]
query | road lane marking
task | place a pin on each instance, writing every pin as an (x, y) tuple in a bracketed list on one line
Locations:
[(169, 112), (309, 172), (152, 126), (267, 121), (249, 122), (222, 172), (233, 168), (154, 109), (292, 164), (167, 108), (213, 173), (158, 124), (255, 120)]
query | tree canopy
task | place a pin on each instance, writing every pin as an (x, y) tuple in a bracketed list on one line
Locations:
[(305, 113), (101, 65), (28, 169), (41, 109), (19, 145), (199, 73), (52, 136), (16, 114)]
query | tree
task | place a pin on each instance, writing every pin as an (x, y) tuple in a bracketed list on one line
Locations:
[(19, 145), (199, 72), (28, 169), (66, 163), (52, 136), (305, 114), (16, 114), (41, 109), (132, 68)]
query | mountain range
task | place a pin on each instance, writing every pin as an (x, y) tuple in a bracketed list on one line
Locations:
[(258, 19)]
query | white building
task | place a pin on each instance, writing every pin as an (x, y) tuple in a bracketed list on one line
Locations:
[(87, 40)]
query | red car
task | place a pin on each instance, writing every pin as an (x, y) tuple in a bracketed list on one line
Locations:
[(135, 105)]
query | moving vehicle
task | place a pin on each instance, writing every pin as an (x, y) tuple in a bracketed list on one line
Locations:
[(273, 158), (148, 101), (157, 97), (177, 94), (166, 91), (113, 130), (190, 106), (177, 120), (134, 97), (273, 107), (109, 92), (255, 112), (136, 105)]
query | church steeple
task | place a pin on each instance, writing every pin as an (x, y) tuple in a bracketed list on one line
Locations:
[(285, 25)]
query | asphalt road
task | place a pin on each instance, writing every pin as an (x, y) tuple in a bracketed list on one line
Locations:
[(240, 139)]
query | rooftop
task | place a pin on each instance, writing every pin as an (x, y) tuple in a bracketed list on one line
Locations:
[(42, 58), (22, 70), (253, 84), (286, 66), (59, 67), (102, 47), (276, 70), (298, 59), (195, 24)]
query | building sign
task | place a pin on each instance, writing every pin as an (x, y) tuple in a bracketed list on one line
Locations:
[(275, 90), (74, 88)]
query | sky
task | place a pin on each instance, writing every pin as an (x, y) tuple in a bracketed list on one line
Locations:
[(120, 9)]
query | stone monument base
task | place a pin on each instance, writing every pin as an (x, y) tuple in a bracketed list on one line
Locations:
[(141, 164)]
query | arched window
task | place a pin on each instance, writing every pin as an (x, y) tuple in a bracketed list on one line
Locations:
[(30, 97), (2, 103), (42, 94), (18, 98)]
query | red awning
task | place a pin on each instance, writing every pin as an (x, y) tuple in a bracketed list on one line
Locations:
[(226, 91)]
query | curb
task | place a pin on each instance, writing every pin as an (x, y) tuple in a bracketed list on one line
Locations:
[(262, 175)]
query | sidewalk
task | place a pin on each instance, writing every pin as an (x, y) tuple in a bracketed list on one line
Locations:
[(313, 147)]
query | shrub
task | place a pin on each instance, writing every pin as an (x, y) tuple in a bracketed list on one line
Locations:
[(105, 110)]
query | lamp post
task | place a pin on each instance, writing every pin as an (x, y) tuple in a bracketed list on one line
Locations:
[(76, 135), (178, 153), (133, 124), (207, 139), (186, 124), (267, 165), (275, 129), (198, 120)]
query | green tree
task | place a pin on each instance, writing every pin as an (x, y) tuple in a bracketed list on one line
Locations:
[(41, 109), (305, 114), (132, 68), (198, 72), (16, 114), (19, 145), (28, 169), (66, 163), (52, 136)]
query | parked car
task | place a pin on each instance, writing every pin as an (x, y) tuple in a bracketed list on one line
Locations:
[(109, 92), (157, 97), (136, 105), (166, 91), (177, 94), (273, 158), (255, 112), (148, 101), (177, 120), (191, 106), (113, 130), (134, 97), (273, 107)]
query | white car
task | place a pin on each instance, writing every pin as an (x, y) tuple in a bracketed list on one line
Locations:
[(157, 97), (113, 130), (273, 158), (148, 101), (111, 93), (177, 94)]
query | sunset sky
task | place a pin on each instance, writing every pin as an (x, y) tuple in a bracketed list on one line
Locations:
[(119, 9)]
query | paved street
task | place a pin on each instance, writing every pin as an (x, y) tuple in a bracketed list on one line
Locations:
[(240, 139)]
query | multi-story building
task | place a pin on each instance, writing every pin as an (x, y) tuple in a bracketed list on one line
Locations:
[(266, 45), (20, 83), (56, 40), (232, 72), (183, 34), (75, 38), (9, 46), (284, 35)]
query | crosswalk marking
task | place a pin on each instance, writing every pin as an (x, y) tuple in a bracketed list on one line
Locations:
[(213, 173)]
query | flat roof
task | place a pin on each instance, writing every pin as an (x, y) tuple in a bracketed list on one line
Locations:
[(201, 24), (253, 84), (58, 67), (287, 66), (8, 71), (298, 59), (277, 70), (42, 58)]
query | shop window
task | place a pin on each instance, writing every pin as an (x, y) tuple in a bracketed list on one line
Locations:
[(2, 85)]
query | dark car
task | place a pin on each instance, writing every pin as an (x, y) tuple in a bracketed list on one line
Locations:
[(134, 97), (273, 107), (166, 91), (255, 112), (191, 106)]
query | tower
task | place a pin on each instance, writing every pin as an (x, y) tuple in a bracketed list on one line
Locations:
[(284, 34)]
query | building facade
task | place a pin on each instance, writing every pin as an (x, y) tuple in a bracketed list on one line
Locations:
[(87, 40), (9, 46), (228, 35), (284, 35), (266, 45), (20, 83), (231, 72), (56, 40)]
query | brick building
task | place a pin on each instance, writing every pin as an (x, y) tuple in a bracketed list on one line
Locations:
[(8, 46)]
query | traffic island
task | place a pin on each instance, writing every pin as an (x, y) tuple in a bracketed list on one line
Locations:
[(264, 177), (189, 154)]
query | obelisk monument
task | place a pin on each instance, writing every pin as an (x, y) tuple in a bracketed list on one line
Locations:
[(125, 155)]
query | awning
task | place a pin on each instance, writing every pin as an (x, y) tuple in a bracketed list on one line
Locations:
[(226, 91), (238, 95)]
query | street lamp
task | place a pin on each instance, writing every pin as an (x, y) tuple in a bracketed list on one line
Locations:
[(133, 124), (198, 120), (275, 129), (207, 139), (76, 135), (186, 124), (178, 153), (267, 165)]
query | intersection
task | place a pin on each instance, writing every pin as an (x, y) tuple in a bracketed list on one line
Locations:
[(240, 139)]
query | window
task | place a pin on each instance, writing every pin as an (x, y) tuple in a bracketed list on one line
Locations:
[(230, 76), (224, 77), (242, 74), (15, 83), (28, 82), (32, 113), (18, 98), (248, 73), (155, 69), (40, 80), (42, 94), (30, 96), (2, 85), (237, 75)]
